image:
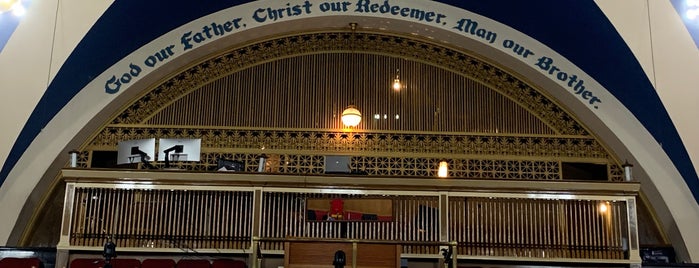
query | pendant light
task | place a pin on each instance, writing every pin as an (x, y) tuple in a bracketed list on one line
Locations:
[(396, 82), (351, 116)]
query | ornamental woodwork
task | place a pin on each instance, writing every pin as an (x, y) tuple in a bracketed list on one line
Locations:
[(283, 97)]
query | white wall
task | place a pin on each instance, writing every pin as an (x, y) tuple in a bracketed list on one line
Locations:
[(29, 60), (657, 36), (46, 35)]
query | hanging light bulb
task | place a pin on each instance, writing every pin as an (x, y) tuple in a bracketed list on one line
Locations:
[(396, 82), (351, 116), (443, 170)]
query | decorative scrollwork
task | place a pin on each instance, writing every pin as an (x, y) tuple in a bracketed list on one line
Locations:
[(382, 154), (481, 154)]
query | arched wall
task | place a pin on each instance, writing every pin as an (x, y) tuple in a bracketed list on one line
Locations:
[(79, 114)]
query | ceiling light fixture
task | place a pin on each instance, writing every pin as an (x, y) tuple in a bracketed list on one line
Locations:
[(396, 82), (692, 11), (351, 116)]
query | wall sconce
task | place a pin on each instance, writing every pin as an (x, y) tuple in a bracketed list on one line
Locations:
[(443, 170), (263, 162), (351, 116), (627, 171), (396, 82), (73, 158)]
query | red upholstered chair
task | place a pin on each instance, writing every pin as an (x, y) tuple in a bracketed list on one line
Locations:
[(87, 263), (20, 263), (125, 263), (186, 263), (225, 263), (158, 263)]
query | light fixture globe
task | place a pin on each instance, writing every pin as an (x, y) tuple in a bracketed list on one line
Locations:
[(351, 116)]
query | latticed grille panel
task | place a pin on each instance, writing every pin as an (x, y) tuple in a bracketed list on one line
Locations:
[(504, 169), (83, 159), (384, 166), (460, 168), (575, 147), (384, 154), (616, 173)]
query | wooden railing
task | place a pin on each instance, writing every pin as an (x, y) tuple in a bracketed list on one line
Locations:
[(239, 212), (539, 228), (161, 218)]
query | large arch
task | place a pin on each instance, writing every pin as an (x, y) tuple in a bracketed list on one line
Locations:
[(611, 120)]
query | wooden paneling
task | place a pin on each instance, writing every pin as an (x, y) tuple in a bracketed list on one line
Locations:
[(378, 255), (321, 254)]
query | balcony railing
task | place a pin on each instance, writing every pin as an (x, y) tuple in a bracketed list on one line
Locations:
[(166, 211)]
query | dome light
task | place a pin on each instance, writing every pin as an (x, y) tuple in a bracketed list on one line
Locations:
[(351, 116), (692, 11)]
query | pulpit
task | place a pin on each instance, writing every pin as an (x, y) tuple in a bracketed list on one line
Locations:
[(321, 254)]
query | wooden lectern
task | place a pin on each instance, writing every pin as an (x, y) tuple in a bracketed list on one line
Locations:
[(320, 254)]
